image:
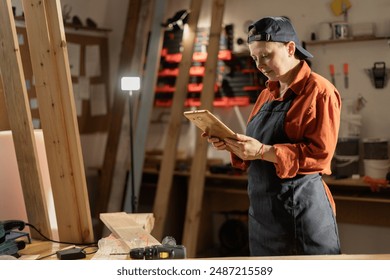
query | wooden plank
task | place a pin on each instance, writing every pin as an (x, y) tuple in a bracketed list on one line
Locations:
[(4, 122), (164, 185), (15, 94), (117, 113), (58, 41), (53, 84), (125, 227), (147, 100), (198, 167)]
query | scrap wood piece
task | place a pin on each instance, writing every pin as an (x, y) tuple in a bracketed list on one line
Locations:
[(126, 228), (143, 220)]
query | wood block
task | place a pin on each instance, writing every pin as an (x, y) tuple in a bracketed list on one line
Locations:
[(130, 228)]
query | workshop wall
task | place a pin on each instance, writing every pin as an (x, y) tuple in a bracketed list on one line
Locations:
[(106, 14), (306, 16)]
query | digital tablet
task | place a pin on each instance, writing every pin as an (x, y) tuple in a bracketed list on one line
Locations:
[(210, 124)]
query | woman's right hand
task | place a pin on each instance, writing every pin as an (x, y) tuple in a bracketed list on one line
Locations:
[(217, 143)]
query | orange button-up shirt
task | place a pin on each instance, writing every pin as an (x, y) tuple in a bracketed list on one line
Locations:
[(312, 123)]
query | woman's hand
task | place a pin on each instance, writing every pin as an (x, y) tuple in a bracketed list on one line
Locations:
[(245, 147), (217, 143)]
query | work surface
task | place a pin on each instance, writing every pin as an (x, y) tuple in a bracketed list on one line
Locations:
[(129, 231), (45, 248)]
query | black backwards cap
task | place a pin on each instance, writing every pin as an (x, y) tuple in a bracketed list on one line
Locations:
[(276, 29)]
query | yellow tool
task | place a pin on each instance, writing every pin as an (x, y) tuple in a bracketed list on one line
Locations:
[(340, 7)]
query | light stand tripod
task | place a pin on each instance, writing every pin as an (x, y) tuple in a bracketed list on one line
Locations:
[(130, 84)]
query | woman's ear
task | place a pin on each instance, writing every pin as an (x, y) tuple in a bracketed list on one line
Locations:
[(291, 48)]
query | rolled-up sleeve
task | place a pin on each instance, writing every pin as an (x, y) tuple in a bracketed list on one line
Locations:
[(238, 162), (317, 138)]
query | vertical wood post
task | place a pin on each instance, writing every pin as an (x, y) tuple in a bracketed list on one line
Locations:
[(164, 184), (4, 122), (49, 58), (16, 100), (198, 166)]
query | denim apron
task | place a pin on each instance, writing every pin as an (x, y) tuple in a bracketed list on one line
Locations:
[(286, 216)]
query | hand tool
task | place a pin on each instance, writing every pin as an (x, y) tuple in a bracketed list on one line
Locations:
[(345, 68), (168, 250), (157, 252), (331, 70), (379, 74)]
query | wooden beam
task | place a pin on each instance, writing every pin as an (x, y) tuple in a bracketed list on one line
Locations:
[(147, 100), (4, 122), (16, 99), (198, 166), (164, 185), (49, 58), (118, 107)]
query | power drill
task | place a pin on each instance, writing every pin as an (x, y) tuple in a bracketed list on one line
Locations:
[(167, 250), (158, 252)]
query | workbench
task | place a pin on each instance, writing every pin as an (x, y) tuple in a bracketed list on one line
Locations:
[(128, 231), (44, 248), (356, 203)]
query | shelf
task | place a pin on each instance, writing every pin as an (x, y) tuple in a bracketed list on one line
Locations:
[(196, 57), (349, 40), (73, 26), (361, 199), (237, 80)]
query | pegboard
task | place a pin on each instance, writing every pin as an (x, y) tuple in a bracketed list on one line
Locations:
[(89, 67)]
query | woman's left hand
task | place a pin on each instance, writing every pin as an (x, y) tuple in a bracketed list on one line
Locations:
[(245, 147)]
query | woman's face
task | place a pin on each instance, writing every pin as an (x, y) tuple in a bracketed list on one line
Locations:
[(273, 59)]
